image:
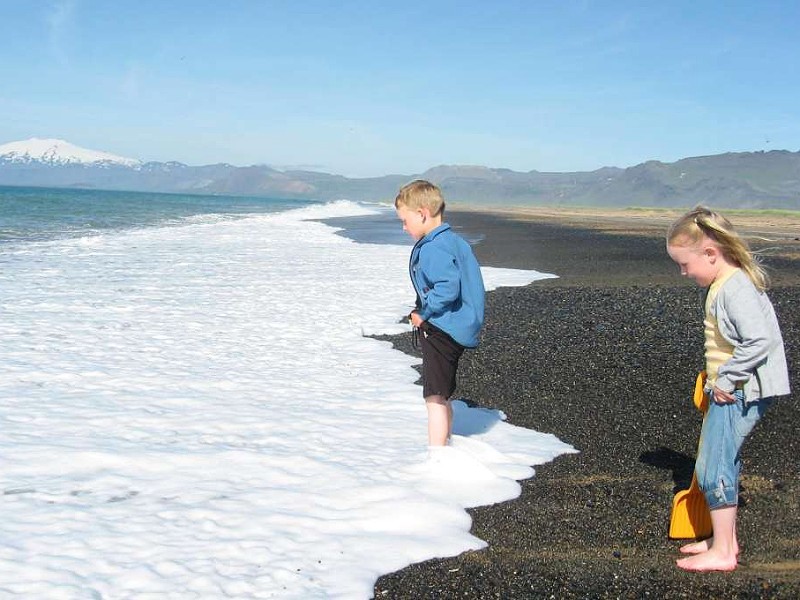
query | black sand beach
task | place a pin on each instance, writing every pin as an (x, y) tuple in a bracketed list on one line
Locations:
[(604, 358)]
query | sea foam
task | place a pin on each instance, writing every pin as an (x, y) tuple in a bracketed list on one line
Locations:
[(195, 412)]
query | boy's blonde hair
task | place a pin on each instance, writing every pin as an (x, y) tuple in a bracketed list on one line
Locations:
[(702, 222), (421, 194)]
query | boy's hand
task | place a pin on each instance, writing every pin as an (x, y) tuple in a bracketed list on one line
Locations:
[(415, 319)]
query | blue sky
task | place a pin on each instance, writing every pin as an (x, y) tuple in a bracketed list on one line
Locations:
[(364, 88)]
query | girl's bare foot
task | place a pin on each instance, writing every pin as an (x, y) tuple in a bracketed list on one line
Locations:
[(696, 547), (701, 546), (708, 561)]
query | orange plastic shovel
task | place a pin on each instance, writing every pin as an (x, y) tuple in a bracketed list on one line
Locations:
[(700, 397), (690, 515)]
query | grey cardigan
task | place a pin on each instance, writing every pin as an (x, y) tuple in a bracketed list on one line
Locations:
[(746, 318)]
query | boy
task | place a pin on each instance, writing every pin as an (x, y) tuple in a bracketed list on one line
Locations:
[(450, 299)]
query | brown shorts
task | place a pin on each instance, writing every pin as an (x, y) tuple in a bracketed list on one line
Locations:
[(440, 354)]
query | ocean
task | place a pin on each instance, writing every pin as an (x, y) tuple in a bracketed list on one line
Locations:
[(191, 405), (37, 214)]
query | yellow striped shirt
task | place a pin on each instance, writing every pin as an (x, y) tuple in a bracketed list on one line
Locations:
[(718, 349)]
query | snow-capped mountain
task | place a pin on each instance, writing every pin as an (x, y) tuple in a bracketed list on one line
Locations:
[(738, 180), (59, 152)]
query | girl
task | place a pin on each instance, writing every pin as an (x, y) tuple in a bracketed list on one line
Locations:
[(745, 365)]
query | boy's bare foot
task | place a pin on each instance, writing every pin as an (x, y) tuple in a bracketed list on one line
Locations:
[(701, 546), (708, 561)]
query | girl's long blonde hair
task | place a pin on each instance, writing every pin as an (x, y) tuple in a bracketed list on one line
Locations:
[(701, 222)]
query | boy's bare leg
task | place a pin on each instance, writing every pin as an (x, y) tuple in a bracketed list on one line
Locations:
[(439, 420), (721, 554), (449, 419)]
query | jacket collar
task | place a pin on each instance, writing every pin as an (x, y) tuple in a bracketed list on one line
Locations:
[(432, 234)]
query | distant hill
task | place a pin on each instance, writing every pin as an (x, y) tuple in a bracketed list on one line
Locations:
[(736, 180)]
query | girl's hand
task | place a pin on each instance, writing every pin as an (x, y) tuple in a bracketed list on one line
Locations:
[(722, 397)]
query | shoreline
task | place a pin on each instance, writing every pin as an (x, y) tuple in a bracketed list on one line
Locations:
[(604, 358)]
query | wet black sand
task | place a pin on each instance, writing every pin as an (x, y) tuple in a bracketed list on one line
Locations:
[(604, 357)]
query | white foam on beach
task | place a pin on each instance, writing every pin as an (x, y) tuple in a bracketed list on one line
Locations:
[(194, 412)]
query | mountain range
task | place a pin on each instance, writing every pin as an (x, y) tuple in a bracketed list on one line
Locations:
[(734, 180)]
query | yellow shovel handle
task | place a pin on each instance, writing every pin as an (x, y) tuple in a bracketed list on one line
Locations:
[(700, 396)]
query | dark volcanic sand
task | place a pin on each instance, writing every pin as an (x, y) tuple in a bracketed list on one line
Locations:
[(605, 357)]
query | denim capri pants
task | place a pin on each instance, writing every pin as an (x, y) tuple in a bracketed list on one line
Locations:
[(718, 464)]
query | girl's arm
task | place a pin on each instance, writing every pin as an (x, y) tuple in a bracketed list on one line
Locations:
[(746, 323)]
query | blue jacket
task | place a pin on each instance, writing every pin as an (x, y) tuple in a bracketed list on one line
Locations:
[(449, 286)]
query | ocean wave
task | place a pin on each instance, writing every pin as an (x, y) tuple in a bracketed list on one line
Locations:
[(215, 417)]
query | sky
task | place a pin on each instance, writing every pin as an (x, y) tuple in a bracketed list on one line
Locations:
[(367, 88)]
